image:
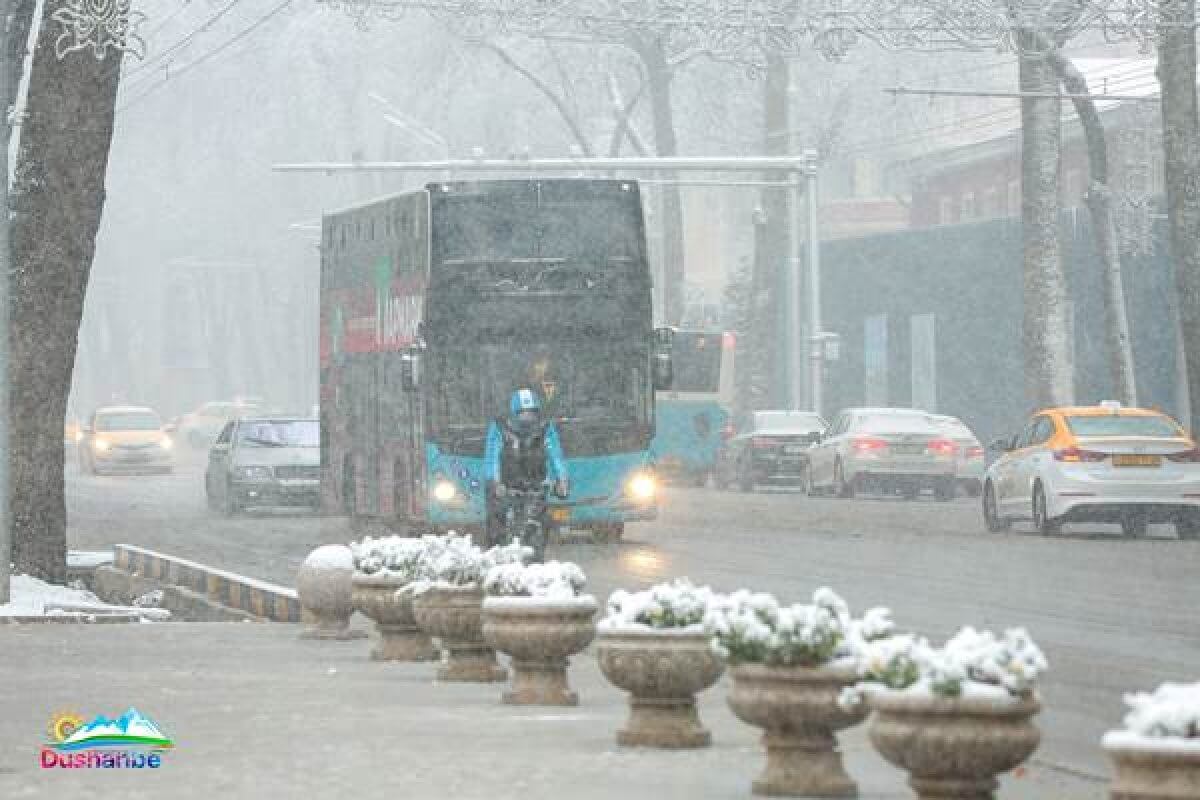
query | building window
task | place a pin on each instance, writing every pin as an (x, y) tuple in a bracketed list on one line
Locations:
[(946, 211), (1014, 198), (968, 207)]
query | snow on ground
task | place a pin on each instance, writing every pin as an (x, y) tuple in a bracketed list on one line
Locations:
[(28, 597)]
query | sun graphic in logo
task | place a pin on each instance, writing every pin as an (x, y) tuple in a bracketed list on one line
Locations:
[(63, 724)]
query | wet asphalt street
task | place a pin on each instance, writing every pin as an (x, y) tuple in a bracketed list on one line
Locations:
[(1113, 615)]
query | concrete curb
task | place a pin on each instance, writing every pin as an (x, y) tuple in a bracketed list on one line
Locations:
[(255, 597)]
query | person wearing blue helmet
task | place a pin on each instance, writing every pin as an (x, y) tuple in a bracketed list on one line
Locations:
[(522, 452)]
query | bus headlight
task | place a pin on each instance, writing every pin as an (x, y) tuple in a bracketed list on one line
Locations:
[(642, 486), (444, 491)]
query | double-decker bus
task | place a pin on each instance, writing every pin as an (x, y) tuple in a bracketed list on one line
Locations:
[(437, 304), (693, 416)]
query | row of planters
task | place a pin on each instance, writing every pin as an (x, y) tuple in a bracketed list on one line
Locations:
[(953, 717)]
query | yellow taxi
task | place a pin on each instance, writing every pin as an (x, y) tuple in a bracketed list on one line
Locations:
[(1104, 463)]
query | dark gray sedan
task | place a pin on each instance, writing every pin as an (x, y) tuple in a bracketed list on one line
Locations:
[(265, 462)]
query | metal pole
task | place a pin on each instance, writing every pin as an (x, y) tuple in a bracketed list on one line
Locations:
[(817, 356), (795, 344)]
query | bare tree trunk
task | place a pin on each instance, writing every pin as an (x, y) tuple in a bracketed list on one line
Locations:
[(1104, 229), (1181, 152), (658, 83), (1046, 330), (58, 195), (15, 22)]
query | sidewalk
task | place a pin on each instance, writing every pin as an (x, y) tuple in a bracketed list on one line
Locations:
[(257, 713)]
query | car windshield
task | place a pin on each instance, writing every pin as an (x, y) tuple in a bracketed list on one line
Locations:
[(895, 423), (1110, 425), (128, 421), (787, 423), (280, 433)]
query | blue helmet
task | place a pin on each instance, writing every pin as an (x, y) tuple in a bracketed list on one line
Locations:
[(524, 400)]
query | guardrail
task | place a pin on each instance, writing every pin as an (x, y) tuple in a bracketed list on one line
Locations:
[(260, 598)]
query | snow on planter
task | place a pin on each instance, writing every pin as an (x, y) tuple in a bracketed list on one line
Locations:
[(677, 605), (550, 581)]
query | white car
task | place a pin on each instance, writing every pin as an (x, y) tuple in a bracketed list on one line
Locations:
[(1097, 464), (883, 449), (970, 455)]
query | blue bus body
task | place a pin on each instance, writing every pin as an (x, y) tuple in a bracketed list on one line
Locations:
[(511, 283), (692, 417)]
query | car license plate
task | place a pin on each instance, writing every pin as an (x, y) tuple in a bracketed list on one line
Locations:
[(908, 449), (1136, 461), (793, 449)]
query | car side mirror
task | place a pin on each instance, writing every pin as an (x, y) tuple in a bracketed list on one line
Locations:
[(410, 371)]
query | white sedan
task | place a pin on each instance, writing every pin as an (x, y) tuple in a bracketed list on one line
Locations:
[(1101, 463), (883, 449)]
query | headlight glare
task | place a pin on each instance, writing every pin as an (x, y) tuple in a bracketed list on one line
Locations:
[(642, 486), (100, 445), (165, 443), (444, 491)]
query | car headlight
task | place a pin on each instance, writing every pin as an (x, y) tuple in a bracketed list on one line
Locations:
[(254, 473), (78, 436), (100, 445), (165, 443), (642, 486), (444, 491)]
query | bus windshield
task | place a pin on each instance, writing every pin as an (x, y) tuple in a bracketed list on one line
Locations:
[(596, 384)]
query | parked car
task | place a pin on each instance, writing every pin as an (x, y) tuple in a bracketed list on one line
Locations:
[(1103, 463), (264, 461), (124, 439), (883, 449), (199, 428), (771, 449), (970, 454)]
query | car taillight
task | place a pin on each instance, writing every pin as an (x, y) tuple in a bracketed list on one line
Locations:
[(1074, 454), (1186, 457), (942, 447), (761, 442), (974, 452), (868, 445)]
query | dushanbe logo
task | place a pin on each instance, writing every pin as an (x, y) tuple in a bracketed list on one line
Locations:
[(132, 741)]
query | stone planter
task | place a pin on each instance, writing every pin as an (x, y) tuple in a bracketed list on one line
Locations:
[(952, 748), (798, 711), (662, 670), (455, 616), (400, 639), (540, 636), (1146, 768), (324, 592)]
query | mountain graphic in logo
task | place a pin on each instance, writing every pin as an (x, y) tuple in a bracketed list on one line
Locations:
[(131, 729)]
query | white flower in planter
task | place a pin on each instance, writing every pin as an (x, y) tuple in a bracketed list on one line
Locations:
[(455, 561), (1171, 710), (391, 556), (971, 663), (551, 581), (676, 605), (754, 628)]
